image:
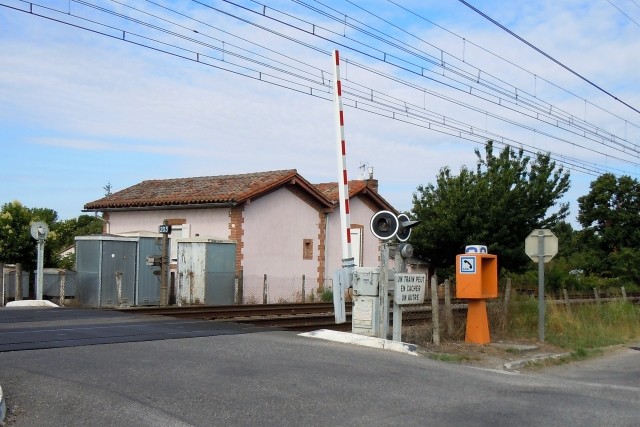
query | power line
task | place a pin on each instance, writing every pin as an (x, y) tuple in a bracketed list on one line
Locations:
[(495, 55), (466, 105), (625, 14), (540, 51), (516, 99), (453, 127)]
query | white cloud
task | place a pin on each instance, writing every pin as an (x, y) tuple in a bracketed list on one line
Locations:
[(87, 97)]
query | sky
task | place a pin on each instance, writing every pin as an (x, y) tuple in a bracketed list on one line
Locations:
[(127, 91)]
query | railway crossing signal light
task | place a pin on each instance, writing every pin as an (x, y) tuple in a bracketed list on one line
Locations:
[(385, 225)]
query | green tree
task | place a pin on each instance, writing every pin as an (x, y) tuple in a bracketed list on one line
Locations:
[(610, 216), (611, 210), (497, 205), (65, 233), (16, 243), (18, 246)]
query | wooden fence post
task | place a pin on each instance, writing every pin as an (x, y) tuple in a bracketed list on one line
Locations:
[(448, 311), (624, 294), (435, 320), (596, 293), (567, 301), (507, 294)]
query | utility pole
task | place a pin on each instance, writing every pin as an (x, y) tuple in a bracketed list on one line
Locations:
[(164, 264)]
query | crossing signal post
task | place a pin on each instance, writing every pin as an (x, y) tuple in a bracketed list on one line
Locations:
[(39, 231), (370, 285)]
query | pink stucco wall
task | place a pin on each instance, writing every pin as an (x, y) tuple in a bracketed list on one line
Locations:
[(274, 226), (360, 214), (205, 222), (274, 229)]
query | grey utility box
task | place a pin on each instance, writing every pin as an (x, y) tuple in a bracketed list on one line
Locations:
[(366, 281), (366, 301), (106, 270), (206, 272)]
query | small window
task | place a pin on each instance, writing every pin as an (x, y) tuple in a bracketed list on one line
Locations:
[(307, 249)]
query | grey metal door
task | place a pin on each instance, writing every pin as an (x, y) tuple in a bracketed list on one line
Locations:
[(118, 273), (221, 268)]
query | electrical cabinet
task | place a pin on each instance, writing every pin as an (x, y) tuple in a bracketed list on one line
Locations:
[(366, 281)]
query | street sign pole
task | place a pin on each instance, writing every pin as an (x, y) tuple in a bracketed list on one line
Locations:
[(541, 245), (541, 309), (39, 272), (164, 264), (39, 231)]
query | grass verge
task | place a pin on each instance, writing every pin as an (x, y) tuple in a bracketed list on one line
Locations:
[(578, 329)]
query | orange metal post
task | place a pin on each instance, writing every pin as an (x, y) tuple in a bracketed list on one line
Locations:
[(477, 323)]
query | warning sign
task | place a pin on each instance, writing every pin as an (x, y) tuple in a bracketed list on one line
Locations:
[(467, 265), (410, 288)]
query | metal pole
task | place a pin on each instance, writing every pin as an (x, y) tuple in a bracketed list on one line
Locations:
[(541, 286), (265, 290), (40, 277), (164, 267), (304, 296), (2, 282), (383, 291), (401, 266)]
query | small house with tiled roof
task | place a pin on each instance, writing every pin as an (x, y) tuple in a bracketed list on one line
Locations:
[(284, 227)]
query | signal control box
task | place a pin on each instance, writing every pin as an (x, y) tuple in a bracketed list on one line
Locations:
[(365, 281)]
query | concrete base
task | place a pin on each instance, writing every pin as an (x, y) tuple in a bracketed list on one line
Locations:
[(40, 303), (348, 338), (510, 366)]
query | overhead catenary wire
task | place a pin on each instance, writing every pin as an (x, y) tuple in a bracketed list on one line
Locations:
[(569, 118), (452, 130), (624, 13), (557, 124), (507, 61), (540, 51), (513, 122), (515, 98)]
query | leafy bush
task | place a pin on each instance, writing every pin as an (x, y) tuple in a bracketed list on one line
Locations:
[(326, 295)]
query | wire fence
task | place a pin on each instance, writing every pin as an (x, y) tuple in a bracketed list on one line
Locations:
[(272, 289)]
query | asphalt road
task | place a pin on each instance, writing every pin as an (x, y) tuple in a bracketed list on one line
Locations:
[(276, 378)]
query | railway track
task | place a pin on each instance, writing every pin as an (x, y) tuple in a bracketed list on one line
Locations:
[(305, 316), (300, 316)]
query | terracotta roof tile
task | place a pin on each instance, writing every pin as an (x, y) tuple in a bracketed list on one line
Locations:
[(330, 189), (195, 191)]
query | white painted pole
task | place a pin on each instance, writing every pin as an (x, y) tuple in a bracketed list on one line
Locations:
[(343, 182)]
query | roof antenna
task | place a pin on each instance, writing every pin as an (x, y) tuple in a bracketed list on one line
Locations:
[(363, 170)]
